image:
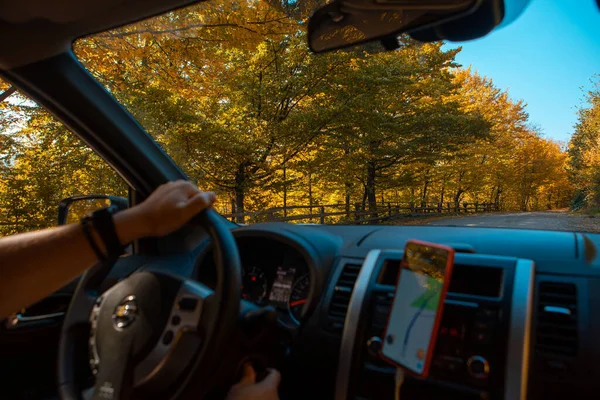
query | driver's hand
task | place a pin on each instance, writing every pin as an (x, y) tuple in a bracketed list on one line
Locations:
[(169, 207), (248, 389)]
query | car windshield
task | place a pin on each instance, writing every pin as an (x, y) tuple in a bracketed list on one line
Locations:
[(425, 134)]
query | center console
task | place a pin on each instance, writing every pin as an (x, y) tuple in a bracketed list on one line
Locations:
[(482, 350)]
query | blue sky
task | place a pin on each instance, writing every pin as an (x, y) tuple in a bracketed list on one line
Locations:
[(545, 57)]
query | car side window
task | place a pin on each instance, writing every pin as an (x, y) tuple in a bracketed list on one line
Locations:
[(41, 163)]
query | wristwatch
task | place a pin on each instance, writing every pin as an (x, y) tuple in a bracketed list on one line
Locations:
[(102, 221)]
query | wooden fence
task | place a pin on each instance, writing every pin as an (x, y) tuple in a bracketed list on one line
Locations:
[(357, 213), (334, 213)]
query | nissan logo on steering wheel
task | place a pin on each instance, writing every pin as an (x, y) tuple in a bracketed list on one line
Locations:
[(125, 312)]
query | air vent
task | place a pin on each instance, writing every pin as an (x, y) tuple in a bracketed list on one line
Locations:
[(341, 296), (556, 335)]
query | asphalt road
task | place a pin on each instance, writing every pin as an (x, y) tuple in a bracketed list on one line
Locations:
[(555, 220)]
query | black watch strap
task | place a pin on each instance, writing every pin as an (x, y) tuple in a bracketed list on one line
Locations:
[(85, 223), (103, 224)]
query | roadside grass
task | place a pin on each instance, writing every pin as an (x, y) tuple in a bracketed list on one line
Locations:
[(591, 212)]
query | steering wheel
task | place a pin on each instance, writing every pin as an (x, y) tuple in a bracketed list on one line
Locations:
[(152, 332)]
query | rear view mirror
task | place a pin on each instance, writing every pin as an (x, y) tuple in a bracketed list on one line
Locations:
[(72, 209), (344, 23)]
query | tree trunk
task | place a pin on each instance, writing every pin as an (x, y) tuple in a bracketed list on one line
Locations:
[(284, 191), (526, 189), (458, 195), (525, 203), (363, 202), (232, 205), (370, 186), (497, 198), (240, 188), (347, 199), (425, 187), (310, 194), (443, 191), (347, 184), (460, 190)]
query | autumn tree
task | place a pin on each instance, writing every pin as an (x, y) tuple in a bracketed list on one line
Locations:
[(230, 90), (400, 112), (44, 164), (584, 152)]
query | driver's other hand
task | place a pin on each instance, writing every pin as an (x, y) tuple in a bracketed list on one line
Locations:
[(248, 389), (169, 207)]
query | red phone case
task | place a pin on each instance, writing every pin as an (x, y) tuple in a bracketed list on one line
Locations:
[(438, 317)]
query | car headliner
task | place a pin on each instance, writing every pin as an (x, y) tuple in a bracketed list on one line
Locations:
[(33, 30)]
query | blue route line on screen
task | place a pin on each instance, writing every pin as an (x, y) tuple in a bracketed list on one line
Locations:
[(414, 319)]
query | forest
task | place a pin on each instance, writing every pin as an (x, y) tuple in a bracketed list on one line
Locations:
[(232, 93), (583, 164)]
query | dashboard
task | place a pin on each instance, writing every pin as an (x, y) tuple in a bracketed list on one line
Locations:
[(519, 320), (274, 273)]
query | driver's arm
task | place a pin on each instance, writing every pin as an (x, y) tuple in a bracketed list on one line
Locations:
[(35, 264)]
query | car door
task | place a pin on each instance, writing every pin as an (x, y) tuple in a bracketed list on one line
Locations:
[(41, 162)]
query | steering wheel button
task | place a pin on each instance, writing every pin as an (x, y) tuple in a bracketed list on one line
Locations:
[(187, 304), (168, 338)]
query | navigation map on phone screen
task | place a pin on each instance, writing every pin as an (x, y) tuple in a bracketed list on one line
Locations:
[(416, 309)]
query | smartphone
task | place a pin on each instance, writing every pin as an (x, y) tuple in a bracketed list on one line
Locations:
[(416, 312)]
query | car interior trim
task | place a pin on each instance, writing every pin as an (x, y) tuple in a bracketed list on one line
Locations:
[(517, 360), (18, 319), (351, 324), (461, 303)]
